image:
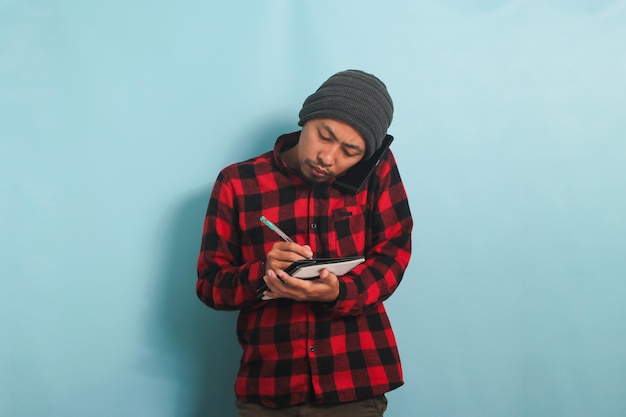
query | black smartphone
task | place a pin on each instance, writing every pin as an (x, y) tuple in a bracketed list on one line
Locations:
[(356, 177)]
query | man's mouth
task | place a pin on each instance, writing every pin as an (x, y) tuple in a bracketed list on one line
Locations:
[(319, 172)]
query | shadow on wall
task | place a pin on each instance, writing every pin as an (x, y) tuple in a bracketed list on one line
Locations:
[(196, 347)]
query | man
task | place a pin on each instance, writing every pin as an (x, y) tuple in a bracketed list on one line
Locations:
[(325, 345)]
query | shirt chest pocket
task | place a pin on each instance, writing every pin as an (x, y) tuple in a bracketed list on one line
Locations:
[(347, 230)]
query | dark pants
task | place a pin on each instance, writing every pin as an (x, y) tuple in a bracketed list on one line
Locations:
[(373, 407)]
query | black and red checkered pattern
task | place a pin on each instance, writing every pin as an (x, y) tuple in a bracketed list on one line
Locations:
[(299, 351)]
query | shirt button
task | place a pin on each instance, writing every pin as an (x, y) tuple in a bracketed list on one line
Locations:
[(312, 348), (313, 226)]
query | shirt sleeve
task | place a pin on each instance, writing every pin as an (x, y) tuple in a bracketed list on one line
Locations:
[(389, 245), (225, 280)]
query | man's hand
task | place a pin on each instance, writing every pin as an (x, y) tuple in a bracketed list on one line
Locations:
[(283, 254), (283, 285)]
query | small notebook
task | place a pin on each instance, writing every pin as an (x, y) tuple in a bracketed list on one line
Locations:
[(310, 268)]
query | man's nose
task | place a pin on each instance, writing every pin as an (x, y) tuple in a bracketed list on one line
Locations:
[(328, 154)]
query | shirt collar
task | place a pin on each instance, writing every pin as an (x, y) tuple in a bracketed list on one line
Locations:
[(283, 143)]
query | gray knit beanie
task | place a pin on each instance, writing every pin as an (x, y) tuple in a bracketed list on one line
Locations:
[(356, 98)]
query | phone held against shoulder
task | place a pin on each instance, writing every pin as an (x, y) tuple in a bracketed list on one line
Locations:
[(356, 177)]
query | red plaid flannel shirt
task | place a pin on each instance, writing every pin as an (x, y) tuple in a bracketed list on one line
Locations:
[(307, 351)]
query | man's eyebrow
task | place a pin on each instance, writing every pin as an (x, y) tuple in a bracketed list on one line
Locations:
[(328, 130), (353, 146)]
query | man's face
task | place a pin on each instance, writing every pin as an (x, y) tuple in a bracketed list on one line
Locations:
[(328, 148)]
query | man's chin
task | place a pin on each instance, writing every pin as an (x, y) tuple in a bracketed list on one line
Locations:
[(316, 180)]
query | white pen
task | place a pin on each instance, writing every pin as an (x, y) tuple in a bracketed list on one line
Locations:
[(275, 228)]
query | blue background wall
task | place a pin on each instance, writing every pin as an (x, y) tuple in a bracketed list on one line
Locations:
[(116, 116)]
